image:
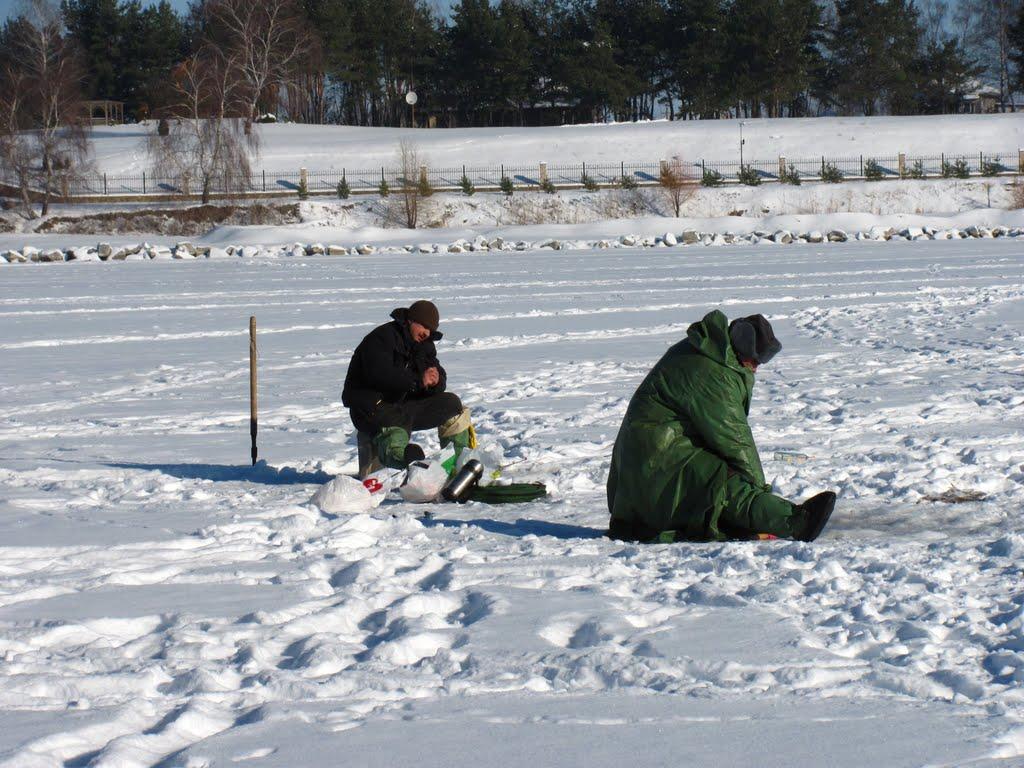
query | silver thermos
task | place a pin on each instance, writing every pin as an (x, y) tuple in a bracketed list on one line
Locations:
[(464, 481)]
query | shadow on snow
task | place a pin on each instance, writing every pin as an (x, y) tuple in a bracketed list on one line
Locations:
[(260, 473), (521, 527)]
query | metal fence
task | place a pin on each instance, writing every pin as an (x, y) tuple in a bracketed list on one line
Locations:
[(563, 176)]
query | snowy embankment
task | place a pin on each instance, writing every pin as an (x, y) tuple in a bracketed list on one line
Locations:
[(163, 603), (812, 213), (286, 148), (250, 242)]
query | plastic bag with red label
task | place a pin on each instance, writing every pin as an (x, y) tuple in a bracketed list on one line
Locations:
[(383, 481), (348, 495)]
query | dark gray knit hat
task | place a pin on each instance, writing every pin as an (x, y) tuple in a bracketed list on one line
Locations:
[(425, 313), (753, 339)]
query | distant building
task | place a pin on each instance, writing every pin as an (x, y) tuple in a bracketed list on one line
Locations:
[(104, 111), (981, 99)]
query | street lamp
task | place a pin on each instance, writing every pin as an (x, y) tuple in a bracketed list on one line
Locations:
[(411, 98)]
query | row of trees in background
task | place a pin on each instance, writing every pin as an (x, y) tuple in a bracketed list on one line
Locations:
[(537, 61), (209, 74)]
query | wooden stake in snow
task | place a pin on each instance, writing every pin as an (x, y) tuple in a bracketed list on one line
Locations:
[(252, 385)]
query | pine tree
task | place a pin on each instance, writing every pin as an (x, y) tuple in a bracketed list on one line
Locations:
[(874, 45), (97, 27), (587, 68), (944, 73), (1015, 44), (695, 48), (773, 52)]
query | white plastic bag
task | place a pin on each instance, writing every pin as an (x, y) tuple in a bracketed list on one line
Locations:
[(491, 458), (424, 481), (345, 495)]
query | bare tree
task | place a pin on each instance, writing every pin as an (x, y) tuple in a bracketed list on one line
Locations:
[(406, 202), (206, 142), (15, 150), (986, 25), (44, 138), (306, 92), (934, 19), (677, 185), (265, 37)]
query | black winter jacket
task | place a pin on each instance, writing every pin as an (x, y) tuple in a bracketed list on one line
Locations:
[(388, 366)]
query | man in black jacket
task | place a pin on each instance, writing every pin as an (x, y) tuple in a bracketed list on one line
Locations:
[(396, 386)]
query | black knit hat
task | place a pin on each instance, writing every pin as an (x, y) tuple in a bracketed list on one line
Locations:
[(753, 339), (424, 313)]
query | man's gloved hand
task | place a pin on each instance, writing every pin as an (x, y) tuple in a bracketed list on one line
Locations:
[(430, 378)]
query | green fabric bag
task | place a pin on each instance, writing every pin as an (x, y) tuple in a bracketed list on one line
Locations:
[(512, 493)]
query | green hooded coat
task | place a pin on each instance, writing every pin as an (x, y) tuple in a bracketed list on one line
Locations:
[(684, 434)]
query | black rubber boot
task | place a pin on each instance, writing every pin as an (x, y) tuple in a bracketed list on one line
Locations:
[(817, 510), (413, 453)]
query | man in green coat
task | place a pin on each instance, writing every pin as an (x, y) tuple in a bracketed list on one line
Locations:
[(684, 464)]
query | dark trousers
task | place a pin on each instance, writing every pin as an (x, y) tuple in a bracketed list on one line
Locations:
[(412, 414)]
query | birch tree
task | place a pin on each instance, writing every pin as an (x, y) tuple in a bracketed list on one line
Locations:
[(207, 147)]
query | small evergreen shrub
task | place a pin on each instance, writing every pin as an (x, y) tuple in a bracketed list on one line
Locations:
[(588, 183), (467, 186), (383, 189), (958, 169), (343, 189), (790, 175), (872, 170), (749, 176), (712, 178), (831, 174), (303, 190), (991, 167), (423, 187), (916, 170), (547, 185), (627, 181), (507, 186), (163, 128)]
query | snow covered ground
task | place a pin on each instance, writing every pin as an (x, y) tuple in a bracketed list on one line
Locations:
[(163, 603), (286, 148)]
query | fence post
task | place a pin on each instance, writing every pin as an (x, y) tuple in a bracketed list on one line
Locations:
[(862, 165), (584, 172), (782, 165), (822, 165), (903, 165), (264, 180), (663, 165), (143, 182), (543, 172), (104, 183), (1020, 160), (703, 169), (303, 179)]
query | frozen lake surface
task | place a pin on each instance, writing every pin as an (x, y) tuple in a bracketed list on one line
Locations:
[(163, 603)]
